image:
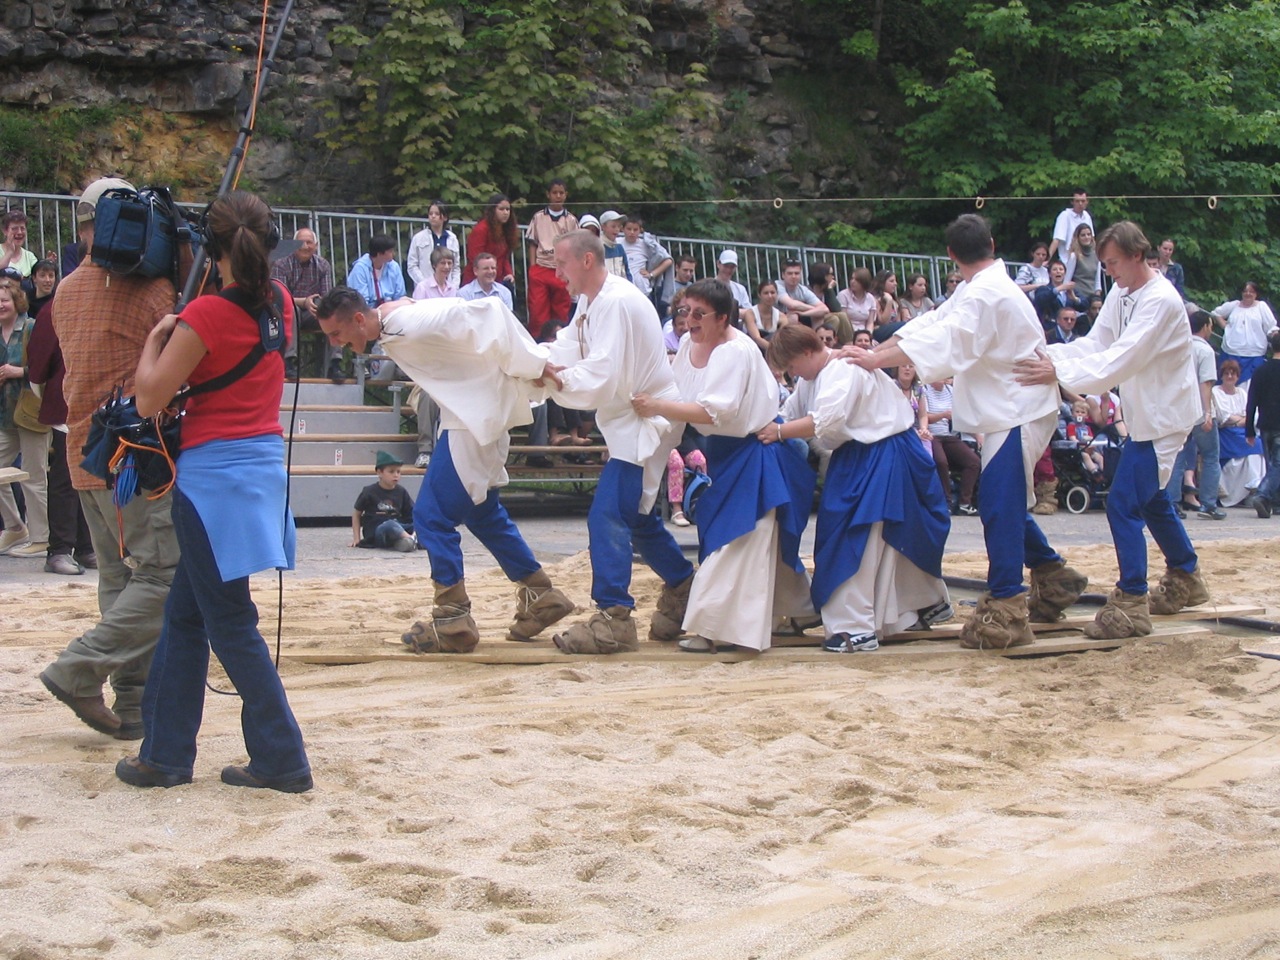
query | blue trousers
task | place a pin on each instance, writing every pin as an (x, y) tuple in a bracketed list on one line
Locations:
[(203, 612), (1136, 498), (614, 524), (1270, 489), (388, 533), (1014, 540), (1204, 445), (444, 505)]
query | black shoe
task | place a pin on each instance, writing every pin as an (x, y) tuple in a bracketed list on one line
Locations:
[(542, 462), (1211, 513), (234, 776), (291, 368), (130, 730), (335, 371), (1177, 509), (1262, 506), (137, 774)]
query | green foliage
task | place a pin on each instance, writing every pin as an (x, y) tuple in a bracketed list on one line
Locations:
[(488, 95), (46, 151)]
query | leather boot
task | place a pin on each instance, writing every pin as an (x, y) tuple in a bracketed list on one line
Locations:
[(451, 629), (997, 624), (1178, 589), (1125, 615), (668, 617), (1046, 499), (1054, 587), (610, 630), (538, 606)]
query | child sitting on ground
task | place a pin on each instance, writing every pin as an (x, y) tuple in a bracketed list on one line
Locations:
[(1081, 431), (383, 515)]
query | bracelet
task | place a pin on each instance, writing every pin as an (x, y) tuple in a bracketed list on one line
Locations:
[(779, 426)]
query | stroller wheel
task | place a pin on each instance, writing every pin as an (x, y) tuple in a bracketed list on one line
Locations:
[(1078, 498)]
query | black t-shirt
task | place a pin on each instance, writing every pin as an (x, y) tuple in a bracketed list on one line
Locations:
[(377, 505)]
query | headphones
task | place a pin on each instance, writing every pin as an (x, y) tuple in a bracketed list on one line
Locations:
[(271, 241)]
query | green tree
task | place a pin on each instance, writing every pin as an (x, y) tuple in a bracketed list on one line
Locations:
[(1128, 98), (469, 98)]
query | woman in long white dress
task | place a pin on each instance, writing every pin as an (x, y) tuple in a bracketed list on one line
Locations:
[(1245, 323), (1243, 466), (751, 517)]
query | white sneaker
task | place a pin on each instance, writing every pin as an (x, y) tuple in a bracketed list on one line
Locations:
[(679, 519), (423, 460), (14, 538), (30, 549)]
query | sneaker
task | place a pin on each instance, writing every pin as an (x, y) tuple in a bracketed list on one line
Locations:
[(846, 643), (1211, 513), (63, 564), (87, 560), (32, 549), (938, 613), (679, 519), (542, 463), (14, 538), (1262, 506), (967, 510), (422, 461)]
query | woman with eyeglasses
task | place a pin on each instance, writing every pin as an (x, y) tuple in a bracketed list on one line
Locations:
[(751, 517)]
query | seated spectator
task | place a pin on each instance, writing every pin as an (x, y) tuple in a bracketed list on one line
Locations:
[(949, 286), (916, 301), (857, 301), (13, 249), (885, 289), (908, 381), (1243, 466), (949, 449), (677, 326), (440, 283), (726, 270), (1063, 328), (1081, 431), (685, 273), (695, 460), (44, 280), (1105, 415), (383, 514), (21, 433), (826, 335), (765, 319), (862, 338), (1034, 275), (1059, 292), (485, 271), (1085, 323), (436, 236), (822, 281), (376, 276), (797, 301)]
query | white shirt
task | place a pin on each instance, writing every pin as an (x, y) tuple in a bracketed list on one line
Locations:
[(1141, 342), (418, 262), (613, 350), (476, 361), (740, 295), (637, 259), (849, 403), (1064, 228), (736, 387), (473, 291), (1247, 328), (858, 311), (977, 335)]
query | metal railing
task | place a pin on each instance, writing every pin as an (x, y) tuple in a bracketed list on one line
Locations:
[(343, 238)]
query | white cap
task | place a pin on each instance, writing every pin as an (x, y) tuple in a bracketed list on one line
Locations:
[(728, 256), (588, 220), (610, 215), (87, 205)]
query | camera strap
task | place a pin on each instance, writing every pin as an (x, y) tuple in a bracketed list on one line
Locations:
[(271, 337)]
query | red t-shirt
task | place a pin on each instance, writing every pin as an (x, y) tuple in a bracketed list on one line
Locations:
[(250, 407)]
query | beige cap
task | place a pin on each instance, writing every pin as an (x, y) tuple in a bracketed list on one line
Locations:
[(87, 205)]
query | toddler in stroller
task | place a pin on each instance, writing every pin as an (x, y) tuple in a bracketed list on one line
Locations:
[(1084, 461)]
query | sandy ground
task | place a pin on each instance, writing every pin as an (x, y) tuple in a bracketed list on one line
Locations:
[(1120, 804)]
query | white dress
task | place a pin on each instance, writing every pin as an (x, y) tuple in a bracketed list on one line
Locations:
[(1241, 475), (742, 587)]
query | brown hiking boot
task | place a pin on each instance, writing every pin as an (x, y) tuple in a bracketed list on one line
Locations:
[(1178, 589), (538, 606), (997, 624), (451, 629), (1046, 499), (668, 617), (610, 630), (1054, 587), (1125, 615)]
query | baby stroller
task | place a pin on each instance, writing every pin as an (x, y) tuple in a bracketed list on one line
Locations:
[(1078, 488)]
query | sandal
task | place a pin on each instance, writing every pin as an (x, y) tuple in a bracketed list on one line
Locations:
[(796, 626)]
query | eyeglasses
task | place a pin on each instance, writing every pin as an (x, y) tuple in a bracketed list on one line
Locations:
[(696, 314)]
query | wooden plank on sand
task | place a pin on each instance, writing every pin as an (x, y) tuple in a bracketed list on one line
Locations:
[(544, 651)]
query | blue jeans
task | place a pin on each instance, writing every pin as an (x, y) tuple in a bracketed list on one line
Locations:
[(614, 523), (202, 612), (1270, 489), (388, 534), (1136, 498), (1204, 445), (1013, 538)]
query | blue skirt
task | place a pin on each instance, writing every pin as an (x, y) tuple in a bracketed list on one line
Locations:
[(748, 479), (1232, 444), (892, 481)]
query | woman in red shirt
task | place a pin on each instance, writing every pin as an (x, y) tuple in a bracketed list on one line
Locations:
[(496, 233)]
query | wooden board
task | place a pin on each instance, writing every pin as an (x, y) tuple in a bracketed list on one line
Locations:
[(544, 651), (13, 475)]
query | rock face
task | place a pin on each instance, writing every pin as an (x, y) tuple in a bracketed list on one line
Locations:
[(195, 59)]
